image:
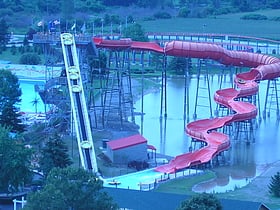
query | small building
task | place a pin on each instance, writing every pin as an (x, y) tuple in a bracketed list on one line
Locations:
[(124, 150)]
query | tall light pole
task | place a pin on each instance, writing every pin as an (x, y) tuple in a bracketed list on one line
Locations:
[(102, 20)]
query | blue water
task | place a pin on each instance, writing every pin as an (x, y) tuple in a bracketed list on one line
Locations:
[(29, 94), (168, 135), (133, 181)]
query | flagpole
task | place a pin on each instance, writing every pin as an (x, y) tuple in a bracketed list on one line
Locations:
[(59, 26), (102, 20), (75, 28)]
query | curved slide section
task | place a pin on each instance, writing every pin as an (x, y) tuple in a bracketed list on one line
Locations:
[(263, 67)]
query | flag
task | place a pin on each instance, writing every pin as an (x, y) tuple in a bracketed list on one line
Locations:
[(83, 29), (51, 26), (56, 22), (40, 23), (73, 27)]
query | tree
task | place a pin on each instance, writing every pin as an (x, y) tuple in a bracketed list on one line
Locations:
[(274, 186), (202, 201), (10, 94), (30, 59), (54, 154), (97, 64), (70, 188), (49, 6), (4, 34), (135, 32), (179, 64), (14, 163), (68, 9), (274, 4), (157, 61), (35, 103), (183, 12)]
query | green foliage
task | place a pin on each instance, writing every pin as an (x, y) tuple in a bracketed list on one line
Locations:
[(135, 32), (244, 6), (148, 3), (273, 4), (25, 42), (35, 103), (183, 12), (70, 188), (5, 12), (68, 9), (11, 118), (157, 61), (4, 33), (162, 15), (275, 18), (114, 19), (10, 94), (30, 59), (118, 2), (13, 50), (14, 163), (254, 17), (50, 6), (35, 135), (274, 186), (54, 154), (179, 65), (97, 64), (202, 201)]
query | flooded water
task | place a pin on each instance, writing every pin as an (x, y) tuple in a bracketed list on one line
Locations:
[(239, 165), (249, 154)]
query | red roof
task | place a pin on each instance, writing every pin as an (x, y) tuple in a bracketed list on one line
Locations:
[(151, 147), (126, 142)]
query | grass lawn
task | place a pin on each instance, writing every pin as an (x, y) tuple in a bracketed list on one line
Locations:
[(184, 185), (7, 56), (223, 24)]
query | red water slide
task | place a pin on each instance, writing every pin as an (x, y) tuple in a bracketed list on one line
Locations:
[(263, 67)]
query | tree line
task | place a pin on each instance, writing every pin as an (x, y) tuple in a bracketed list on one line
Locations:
[(96, 6)]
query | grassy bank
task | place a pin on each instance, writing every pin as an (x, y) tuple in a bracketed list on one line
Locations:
[(223, 24), (184, 185)]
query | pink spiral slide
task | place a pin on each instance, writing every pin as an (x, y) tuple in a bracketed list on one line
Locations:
[(263, 67)]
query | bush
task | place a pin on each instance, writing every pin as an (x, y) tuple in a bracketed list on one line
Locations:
[(149, 18), (254, 17), (162, 15), (30, 59), (222, 11), (201, 201), (138, 165), (275, 19), (13, 49), (274, 186), (183, 12), (6, 12)]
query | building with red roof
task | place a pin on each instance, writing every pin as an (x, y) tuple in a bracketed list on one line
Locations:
[(124, 150)]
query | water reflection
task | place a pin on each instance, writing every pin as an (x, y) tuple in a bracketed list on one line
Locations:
[(246, 157)]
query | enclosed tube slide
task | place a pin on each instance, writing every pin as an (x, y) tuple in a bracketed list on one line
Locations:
[(263, 67)]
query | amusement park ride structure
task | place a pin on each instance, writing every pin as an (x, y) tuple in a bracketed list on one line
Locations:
[(237, 99)]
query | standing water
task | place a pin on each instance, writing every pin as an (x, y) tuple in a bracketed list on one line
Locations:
[(243, 161)]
